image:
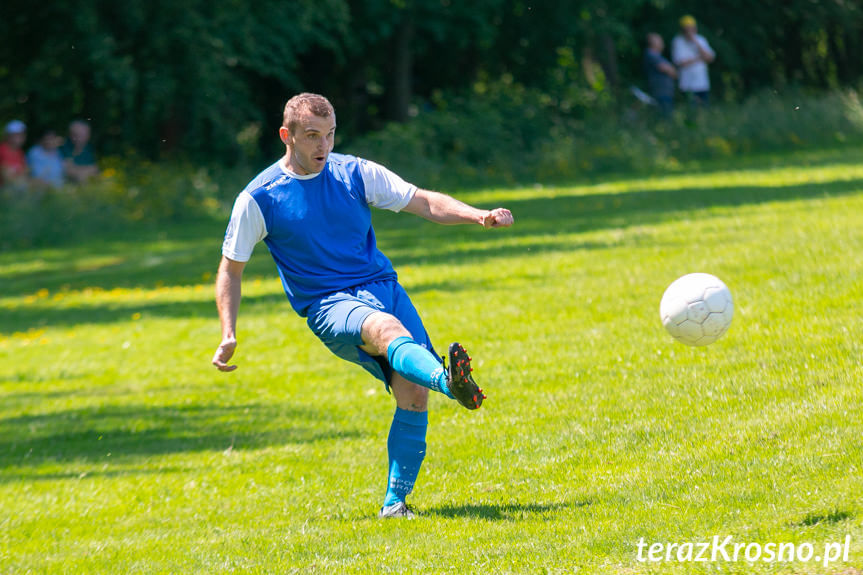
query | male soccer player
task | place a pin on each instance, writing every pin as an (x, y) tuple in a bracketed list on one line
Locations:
[(311, 208)]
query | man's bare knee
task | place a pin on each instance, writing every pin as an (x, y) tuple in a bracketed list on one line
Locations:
[(409, 396), (379, 330)]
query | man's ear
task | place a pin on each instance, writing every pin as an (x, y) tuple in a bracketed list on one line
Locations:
[(285, 136)]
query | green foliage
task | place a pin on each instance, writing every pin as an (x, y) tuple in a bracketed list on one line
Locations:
[(52, 217), (159, 76), (199, 79), (123, 451), (467, 138), (129, 193), (502, 133), (515, 134)]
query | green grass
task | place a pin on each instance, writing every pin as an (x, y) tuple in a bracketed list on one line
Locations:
[(123, 451)]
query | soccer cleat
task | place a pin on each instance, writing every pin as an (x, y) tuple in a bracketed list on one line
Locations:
[(461, 383), (399, 509)]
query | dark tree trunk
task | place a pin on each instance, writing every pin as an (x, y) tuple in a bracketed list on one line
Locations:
[(793, 52), (838, 50), (608, 61), (358, 97), (401, 77)]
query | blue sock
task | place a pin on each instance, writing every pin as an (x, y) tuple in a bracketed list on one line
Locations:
[(406, 446), (417, 364)]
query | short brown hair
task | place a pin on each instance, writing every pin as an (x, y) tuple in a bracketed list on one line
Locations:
[(306, 102)]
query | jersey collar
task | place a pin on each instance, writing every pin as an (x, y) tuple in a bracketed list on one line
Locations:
[(291, 174)]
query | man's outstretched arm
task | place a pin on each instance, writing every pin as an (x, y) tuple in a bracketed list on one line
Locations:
[(444, 209), (228, 293)]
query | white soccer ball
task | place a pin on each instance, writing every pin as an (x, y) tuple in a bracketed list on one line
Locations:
[(696, 309)]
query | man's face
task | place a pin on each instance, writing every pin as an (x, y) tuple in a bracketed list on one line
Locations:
[(16, 140), (690, 31), (50, 141), (79, 133), (311, 142)]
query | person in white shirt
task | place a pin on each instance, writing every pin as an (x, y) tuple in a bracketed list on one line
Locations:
[(691, 53)]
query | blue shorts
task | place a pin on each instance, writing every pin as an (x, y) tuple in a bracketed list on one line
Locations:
[(338, 319)]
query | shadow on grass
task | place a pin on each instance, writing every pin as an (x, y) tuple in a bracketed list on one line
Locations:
[(179, 254), (497, 512), (191, 254), (540, 221), (835, 516), (33, 378), (123, 433), (124, 471), (24, 318)]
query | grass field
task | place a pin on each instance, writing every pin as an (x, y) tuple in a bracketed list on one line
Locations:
[(123, 451)]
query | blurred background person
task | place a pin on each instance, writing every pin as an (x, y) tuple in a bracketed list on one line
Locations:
[(45, 161), (691, 53), (79, 162), (660, 74), (13, 165)]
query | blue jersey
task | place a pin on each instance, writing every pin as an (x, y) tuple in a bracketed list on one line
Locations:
[(318, 228)]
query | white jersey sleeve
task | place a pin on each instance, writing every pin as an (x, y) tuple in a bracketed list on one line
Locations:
[(384, 189), (246, 228)]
